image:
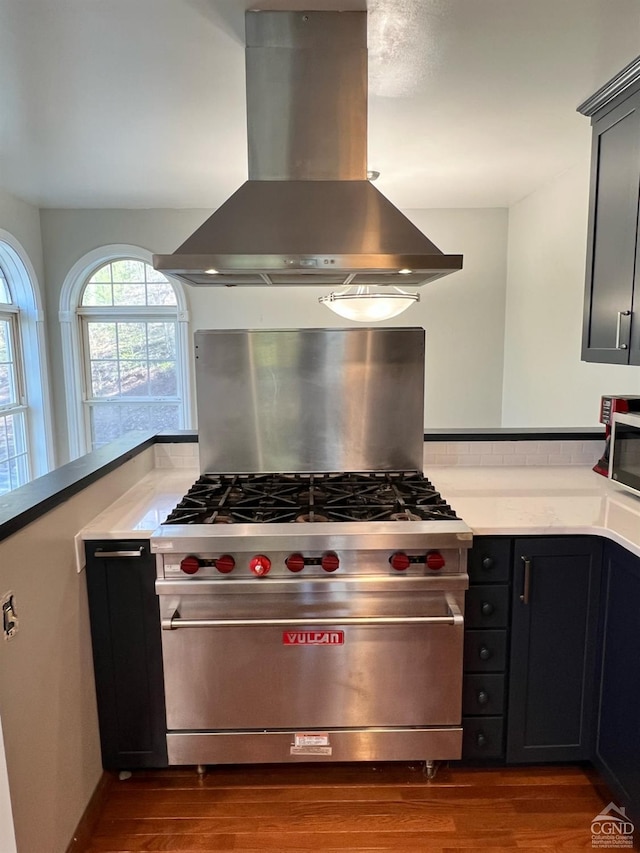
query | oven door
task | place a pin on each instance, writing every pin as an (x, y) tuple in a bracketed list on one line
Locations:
[(312, 660)]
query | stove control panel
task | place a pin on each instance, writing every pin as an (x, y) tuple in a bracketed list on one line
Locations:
[(295, 562), (299, 564), (432, 560), (260, 565)]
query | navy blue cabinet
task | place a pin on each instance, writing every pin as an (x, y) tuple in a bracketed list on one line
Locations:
[(127, 654), (617, 751), (485, 649), (554, 622), (611, 332)]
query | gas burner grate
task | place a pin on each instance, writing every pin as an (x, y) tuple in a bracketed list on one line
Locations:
[(310, 498)]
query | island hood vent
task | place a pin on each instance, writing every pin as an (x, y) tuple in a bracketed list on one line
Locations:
[(307, 215)]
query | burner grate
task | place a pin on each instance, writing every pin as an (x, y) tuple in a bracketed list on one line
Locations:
[(310, 498)]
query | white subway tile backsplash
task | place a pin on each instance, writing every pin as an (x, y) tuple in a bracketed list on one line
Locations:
[(528, 452), (549, 447), (517, 459), (560, 459), (457, 447), (450, 453), (491, 459), (483, 447), (537, 459), (528, 447), (593, 446)]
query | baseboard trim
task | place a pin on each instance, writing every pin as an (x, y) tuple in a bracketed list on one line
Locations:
[(89, 819)]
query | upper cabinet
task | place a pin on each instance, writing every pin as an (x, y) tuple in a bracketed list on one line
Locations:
[(611, 330)]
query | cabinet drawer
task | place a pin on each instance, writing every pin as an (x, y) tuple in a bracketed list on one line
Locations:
[(490, 561), (487, 606), (482, 737), (483, 694), (485, 651)]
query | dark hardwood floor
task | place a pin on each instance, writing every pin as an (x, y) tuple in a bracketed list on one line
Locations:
[(364, 807)]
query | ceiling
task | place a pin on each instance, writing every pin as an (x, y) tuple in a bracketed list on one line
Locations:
[(140, 103)]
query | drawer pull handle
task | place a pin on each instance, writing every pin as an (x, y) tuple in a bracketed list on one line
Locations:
[(483, 697), (100, 553), (621, 314), (486, 608), (484, 653), (481, 739), (526, 587), (487, 564)]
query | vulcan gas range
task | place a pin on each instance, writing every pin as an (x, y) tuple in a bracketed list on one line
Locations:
[(311, 615)]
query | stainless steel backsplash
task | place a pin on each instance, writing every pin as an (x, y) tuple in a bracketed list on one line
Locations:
[(310, 400)]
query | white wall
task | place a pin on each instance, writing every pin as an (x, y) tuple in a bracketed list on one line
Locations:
[(68, 235), (545, 383), (22, 220), (462, 313), (47, 693)]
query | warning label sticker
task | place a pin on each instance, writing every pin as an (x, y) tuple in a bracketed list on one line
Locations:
[(310, 750), (311, 743), (311, 739)]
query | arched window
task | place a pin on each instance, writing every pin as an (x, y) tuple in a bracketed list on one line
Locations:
[(133, 376), (14, 455), (25, 427)]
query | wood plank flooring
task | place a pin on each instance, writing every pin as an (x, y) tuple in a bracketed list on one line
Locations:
[(359, 808)]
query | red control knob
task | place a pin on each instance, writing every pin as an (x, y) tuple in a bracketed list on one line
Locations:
[(399, 561), (190, 565), (295, 562), (434, 560), (224, 564), (260, 565), (330, 562)]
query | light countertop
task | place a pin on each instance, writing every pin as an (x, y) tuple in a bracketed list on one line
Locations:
[(140, 510), (540, 501), (493, 501)]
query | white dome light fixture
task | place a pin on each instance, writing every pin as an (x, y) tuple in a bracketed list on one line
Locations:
[(369, 303)]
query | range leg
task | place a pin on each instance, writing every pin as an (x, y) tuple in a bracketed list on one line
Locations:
[(430, 769)]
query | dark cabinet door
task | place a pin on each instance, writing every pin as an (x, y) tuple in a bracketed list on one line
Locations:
[(611, 330), (618, 729), (553, 642), (127, 654)]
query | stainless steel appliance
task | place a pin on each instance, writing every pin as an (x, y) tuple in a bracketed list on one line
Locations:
[(624, 451), (312, 614), (609, 405), (307, 215)]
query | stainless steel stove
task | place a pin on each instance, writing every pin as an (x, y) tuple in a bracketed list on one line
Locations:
[(312, 616), (302, 520)]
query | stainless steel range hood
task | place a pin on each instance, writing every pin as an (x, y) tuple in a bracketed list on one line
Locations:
[(307, 215)]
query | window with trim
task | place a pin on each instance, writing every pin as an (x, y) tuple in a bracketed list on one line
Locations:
[(129, 330), (14, 454)]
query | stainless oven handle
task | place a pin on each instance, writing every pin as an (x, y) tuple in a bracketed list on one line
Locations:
[(455, 618)]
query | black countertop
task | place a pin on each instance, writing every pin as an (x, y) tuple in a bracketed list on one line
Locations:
[(22, 506)]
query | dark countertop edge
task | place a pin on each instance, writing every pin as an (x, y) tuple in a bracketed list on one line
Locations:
[(185, 436), (24, 505), (517, 434)]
